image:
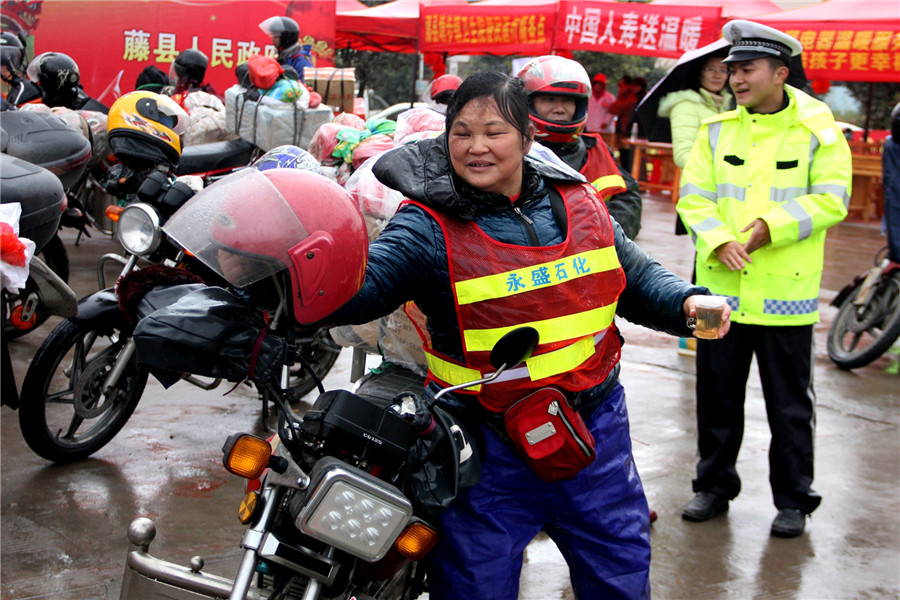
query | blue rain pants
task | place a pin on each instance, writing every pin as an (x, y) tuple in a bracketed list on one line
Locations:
[(599, 520)]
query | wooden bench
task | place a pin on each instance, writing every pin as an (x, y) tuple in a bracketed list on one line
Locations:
[(659, 155), (867, 197)]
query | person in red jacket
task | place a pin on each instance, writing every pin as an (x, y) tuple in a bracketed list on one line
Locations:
[(558, 91), (630, 93)]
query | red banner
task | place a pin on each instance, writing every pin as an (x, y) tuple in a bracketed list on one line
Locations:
[(627, 28), (500, 28), (848, 52), (113, 41)]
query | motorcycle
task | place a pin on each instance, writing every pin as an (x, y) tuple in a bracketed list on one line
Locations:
[(868, 318), (84, 382), (346, 491), (40, 196), (45, 142), (329, 504)]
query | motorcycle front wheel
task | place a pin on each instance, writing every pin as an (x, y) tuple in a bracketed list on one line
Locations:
[(320, 351), (64, 415), (860, 334)]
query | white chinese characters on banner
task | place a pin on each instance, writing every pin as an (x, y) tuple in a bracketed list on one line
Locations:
[(609, 29), (641, 29)]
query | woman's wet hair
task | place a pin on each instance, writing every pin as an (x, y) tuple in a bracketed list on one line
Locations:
[(507, 92)]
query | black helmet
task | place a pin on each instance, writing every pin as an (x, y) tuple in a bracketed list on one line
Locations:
[(189, 66), (57, 76), (285, 28), (12, 52)]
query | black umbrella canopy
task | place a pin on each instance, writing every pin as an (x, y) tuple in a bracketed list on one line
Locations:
[(680, 77)]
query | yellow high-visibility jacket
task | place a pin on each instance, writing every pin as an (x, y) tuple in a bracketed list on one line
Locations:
[(793, 170)]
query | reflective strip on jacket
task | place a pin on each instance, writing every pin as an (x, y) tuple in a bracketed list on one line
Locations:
[(793, 170), (567, 292), (601, 170)]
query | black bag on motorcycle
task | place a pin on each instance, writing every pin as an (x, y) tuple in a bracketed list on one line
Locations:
[(205, 331), (443, 460)]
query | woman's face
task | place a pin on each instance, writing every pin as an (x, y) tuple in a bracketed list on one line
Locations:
[(714, 75), (486, 150)]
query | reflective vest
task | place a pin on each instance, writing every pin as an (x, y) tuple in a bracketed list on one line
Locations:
[(601, 170), (567, 292), (793, 170)]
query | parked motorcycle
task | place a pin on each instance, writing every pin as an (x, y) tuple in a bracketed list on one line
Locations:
[(868, 318), (84, 382), (41, 198), (47, 143)]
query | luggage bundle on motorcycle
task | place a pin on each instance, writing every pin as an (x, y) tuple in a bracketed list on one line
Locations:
[(268, 125)]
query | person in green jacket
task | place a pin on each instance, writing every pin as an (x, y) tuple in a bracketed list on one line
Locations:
[(707, 94), (762, 185)]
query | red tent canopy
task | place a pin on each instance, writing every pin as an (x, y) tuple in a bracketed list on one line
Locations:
[(845, 40), (391, 27), (731, 9)]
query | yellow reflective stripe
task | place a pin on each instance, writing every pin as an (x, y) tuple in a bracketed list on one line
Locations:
[(562, 360), (567, 327), (545, 365), (452, 373), (518, 281), (608, 181)]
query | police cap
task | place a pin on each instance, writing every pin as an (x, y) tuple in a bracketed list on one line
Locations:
[(751, 40)]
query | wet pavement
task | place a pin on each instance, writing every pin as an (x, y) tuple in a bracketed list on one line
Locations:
[(63, 527)]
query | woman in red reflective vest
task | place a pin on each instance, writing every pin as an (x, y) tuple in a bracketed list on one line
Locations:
[(489, 240)]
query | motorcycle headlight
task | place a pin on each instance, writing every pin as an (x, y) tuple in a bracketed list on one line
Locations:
[(138, 229), (352, 510)]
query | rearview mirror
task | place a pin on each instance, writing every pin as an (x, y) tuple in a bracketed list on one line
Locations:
[(514, 347)]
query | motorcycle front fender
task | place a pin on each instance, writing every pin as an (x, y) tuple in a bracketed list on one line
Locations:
[(149, 578), (57, 297), (846, 291), (101, 309)]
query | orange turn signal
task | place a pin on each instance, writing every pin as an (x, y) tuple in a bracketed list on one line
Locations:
[(246, 455), (416, 541), (113, 211)]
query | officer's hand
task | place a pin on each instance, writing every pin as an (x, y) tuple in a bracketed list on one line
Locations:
[(759, 237), (733, 255)]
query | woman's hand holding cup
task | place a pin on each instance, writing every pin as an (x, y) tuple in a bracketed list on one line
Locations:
[(708, 316)]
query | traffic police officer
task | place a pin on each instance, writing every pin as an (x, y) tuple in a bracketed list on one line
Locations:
[(760, 188)]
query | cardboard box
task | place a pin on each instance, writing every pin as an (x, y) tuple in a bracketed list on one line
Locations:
[(336, 86)]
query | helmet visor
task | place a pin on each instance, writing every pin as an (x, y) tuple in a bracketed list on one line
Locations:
[(241, 227), (272, 26)]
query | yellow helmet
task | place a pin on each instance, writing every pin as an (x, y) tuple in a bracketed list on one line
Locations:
[(145, 129)]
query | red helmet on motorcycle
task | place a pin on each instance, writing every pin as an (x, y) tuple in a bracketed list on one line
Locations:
[(253, 224), (558, 76)]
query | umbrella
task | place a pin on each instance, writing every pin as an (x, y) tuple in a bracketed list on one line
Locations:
[(658, 129)]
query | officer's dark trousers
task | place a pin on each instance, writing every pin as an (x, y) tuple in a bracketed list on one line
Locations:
[(784, 356)]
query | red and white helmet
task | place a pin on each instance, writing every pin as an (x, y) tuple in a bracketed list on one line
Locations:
[(254, 224), (442, 88), (562, 77)]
